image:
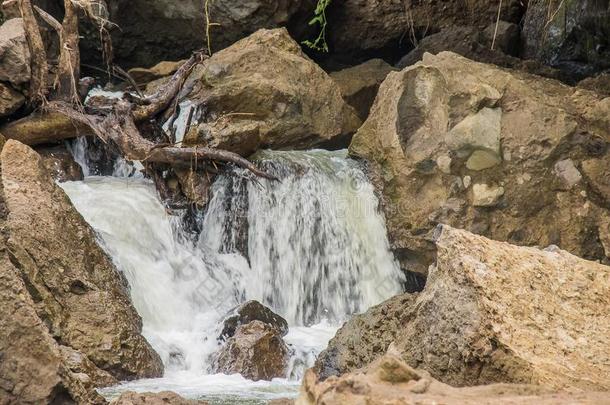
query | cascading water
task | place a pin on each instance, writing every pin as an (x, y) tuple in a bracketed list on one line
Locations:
[(312, 246)]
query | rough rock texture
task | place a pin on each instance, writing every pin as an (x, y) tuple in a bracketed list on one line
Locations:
[(474, 146), (359, 84), (494, 312), (32, 370), (572, 35), (14, 53), (256, 351), (360, 26), (60, 163), (365, 337), (10, 100), (599, 84), (79, 294), (154, 398), (264, 92), (252, 311), (154, 30), (391, 381)]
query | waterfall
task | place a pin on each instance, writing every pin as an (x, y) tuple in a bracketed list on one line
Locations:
[(311, 246)]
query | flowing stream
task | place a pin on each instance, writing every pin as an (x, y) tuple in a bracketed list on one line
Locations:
[(312, 246)]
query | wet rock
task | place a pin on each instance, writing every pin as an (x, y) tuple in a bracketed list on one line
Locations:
[(359, 84), (504, 36), (263, 92), (10, 100), (361, 26), (390, 380), (14, 53), (571, 35), (447, 123), (252, 311), (59, 162), (154, 398), (80, 295), (256, 351), (493, 312), (151, 31), (365, 337)]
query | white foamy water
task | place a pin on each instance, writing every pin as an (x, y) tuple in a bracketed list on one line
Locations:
[(313, 247)]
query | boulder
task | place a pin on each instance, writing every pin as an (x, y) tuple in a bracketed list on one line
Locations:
[(79, 294), (10, 100), (390, 380), (60, 163), (493, 151), (263, 92), (570, 35), (14, 53), (251, 311), (365, 337), (357, 27), (359, 84), (33, 370), (256, 351), (492, 312), (149, 31), (154, 398)]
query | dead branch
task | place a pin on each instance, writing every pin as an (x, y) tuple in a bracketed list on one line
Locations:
[(162, 99), (68, 71), (39, 65), (120, 127)]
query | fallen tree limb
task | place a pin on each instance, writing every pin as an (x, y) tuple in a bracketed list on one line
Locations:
[(120, 127)]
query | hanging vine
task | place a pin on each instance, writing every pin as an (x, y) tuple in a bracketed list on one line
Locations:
[(319, 44)]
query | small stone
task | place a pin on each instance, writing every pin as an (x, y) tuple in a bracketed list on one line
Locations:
[(486, 196), (444, 163), (467, 180), (482, 159), (567, 173)]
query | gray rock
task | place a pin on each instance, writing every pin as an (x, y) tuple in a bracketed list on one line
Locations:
[(486, 196), (567, 173), (251, 311), (14, 53)]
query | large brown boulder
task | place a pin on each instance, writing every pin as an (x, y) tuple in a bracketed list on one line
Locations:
[(149, 31), (365, 337), (390, 380), (494, 151), (493, 312), (263, 92), (256, 351), (79, 294), (33, 369), (14, 53)]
